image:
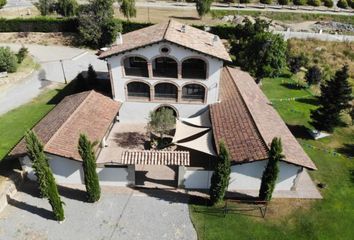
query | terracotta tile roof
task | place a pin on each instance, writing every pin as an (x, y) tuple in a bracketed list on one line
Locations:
[(180, 158), (267, 123), (87, 112), (193, 38), (232, 123)]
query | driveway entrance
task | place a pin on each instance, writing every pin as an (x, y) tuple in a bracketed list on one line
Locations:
[(156, 176)]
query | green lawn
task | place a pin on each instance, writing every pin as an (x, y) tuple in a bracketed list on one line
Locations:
[(14, 123), (330, 218)]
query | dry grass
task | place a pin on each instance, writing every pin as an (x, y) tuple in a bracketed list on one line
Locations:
[(19, 12), (281, 208), (329, 55), (55, 38)]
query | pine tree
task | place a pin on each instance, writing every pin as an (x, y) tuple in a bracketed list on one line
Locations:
[(39, 160), (335, 97), (87, 154), (271, 171), (44, 174), (221, 176)]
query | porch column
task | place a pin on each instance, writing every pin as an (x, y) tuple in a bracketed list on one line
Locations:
[(179, 94), (131, 175), (149, 65), (180, 176), (179, 71)]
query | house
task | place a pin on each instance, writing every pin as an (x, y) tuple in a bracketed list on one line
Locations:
[(179, 67)]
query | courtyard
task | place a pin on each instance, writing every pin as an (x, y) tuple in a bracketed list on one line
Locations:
[(121, 213)]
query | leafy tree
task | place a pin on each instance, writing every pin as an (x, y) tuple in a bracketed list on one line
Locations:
[(67, 8), (328, 3), (266, 1), (127, 7), (221, 176), (45, 178), (296, 62), (87, 154), (161, 121), (96, 24), (335, 97), (257, 50), (300, 2), (2, 3), (314, 3), (342, 4), (313, 75), (45, 7), (271, 171), (8, 60), (283, 2), (21, 54), (203, 7)]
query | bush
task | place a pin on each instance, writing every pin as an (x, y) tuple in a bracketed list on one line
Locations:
[(313, 75), (351, 3), (245, 1), (283, 2), (314, 3), (45, 7), (296, 62), (203, 7), (300, 2), (67, 8), (38, 24), (8, 60), (2, 3), (342, 4), (22, 54), (266, 1), (328, 3)]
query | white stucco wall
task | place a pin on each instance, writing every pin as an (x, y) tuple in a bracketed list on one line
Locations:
[(185, 109), (113, 176), (244, 177)]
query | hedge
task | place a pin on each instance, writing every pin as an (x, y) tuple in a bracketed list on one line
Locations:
[(38, 24)]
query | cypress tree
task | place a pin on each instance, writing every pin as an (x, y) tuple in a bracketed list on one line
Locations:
[(44, 174), (271, 171), (87, 154), (221, 176), (203, 7), (39, 160), (335, 97)]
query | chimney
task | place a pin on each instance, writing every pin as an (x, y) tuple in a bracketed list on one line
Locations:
[(183, 28), (119, 39), (215, 39)]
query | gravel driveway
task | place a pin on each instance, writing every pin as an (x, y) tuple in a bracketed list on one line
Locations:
[(121, 213)]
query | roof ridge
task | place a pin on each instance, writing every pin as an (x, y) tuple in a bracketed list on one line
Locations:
[(167, 27), (90, 92), (248, 110)]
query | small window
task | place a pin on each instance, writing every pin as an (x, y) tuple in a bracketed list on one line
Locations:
[(165, 50), (193, 92)]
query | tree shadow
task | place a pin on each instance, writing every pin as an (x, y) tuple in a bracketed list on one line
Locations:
[(347, 149), (351, 172), (44, 213), (292, 86), (72, 193), (309, 101), (300, 131), (130, 140)]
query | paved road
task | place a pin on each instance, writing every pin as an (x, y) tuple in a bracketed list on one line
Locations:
[(74, 61), (18, 3), (123, 214)]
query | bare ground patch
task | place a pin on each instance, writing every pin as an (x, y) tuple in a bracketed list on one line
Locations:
[(55, 38)]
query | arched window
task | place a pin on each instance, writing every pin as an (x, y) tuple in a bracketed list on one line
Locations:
[(136, 66), (164, 67), (138, 90), (165, 91), (193, 92), (194, 68)]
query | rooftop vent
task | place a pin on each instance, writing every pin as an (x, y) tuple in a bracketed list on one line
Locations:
[(215, 39), (183, 28)]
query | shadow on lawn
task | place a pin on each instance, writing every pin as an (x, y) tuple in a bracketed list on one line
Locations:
[(292, 86), (347, 149), (300, 131), (309, 101), (44, 213)]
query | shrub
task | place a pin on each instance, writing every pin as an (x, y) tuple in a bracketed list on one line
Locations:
[(266, 1), (2, 3), (85, 148), (21, 54), (271, 171), (127, 7), (313, 75), (67, 8), (342, 4), (203, 7), (8, 60), (314, 3), (245, 1), (351, 3), (296, 62), (300, 2), (283, 2), (221, 176), (328, 3), (45, 7)]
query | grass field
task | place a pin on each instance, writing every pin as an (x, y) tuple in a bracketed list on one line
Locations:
[(14, 123), (330, 218)]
